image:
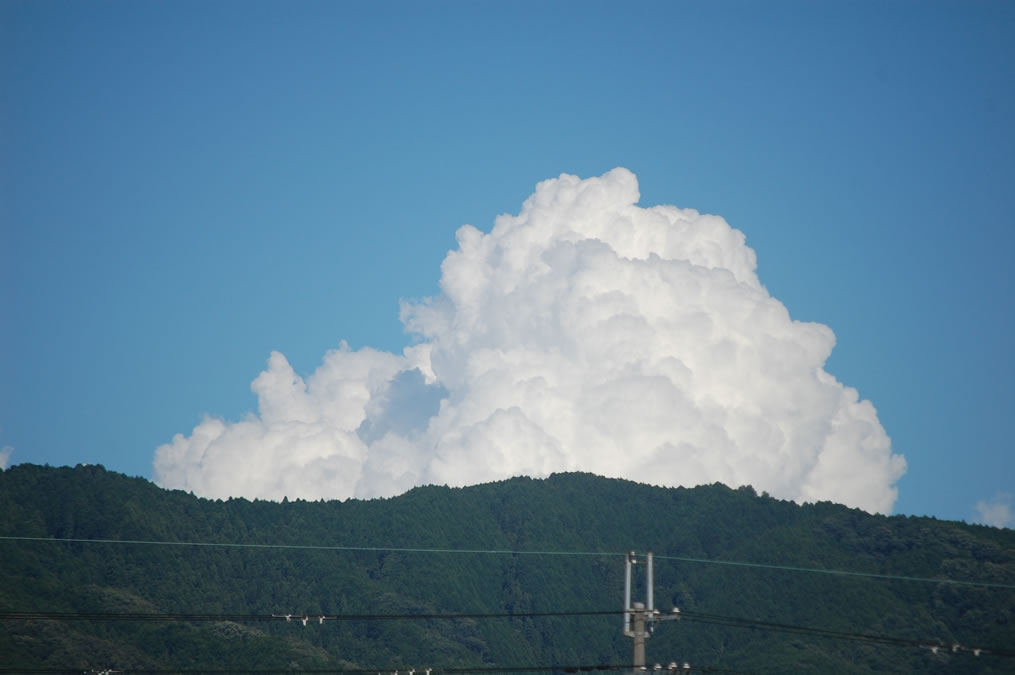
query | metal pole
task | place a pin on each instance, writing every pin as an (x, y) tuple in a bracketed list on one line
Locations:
[(627, 594), (648, 580)]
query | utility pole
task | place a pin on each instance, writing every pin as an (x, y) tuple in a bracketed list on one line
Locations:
[(640, 617), (639, 635)]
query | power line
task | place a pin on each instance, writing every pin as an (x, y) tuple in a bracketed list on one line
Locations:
[(934, 645), (294, 617), (673, 667), (818, 570), (391, 549), (697, 617), (315, 547)]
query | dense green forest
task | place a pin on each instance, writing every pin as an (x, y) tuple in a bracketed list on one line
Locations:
[(438, 550)]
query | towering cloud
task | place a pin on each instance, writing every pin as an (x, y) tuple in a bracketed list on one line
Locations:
[(585, 333)]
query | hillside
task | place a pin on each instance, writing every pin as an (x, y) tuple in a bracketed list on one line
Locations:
[(270, 567)]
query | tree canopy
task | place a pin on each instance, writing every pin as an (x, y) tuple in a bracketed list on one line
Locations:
[(438, 550)]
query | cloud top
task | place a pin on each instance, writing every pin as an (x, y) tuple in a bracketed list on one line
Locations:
[(584, 333)]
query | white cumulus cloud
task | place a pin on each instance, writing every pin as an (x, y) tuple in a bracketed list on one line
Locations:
[(584, 333), (996, 512)]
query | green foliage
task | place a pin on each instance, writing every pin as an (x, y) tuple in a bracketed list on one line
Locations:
[(566, 512)]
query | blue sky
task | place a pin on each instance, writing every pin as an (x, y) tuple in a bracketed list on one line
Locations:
[(187, 186)]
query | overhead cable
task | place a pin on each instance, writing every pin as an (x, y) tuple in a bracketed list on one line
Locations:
[(307, 619), (301, 617), (481, 551), (935, 646), (672, 668)]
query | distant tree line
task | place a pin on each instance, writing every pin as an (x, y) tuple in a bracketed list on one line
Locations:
[(579, 513)]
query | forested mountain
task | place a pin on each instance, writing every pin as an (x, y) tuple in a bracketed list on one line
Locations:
[(376, 557)]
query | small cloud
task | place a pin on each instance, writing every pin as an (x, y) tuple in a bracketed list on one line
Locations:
[(5, 456), (997, 512)]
